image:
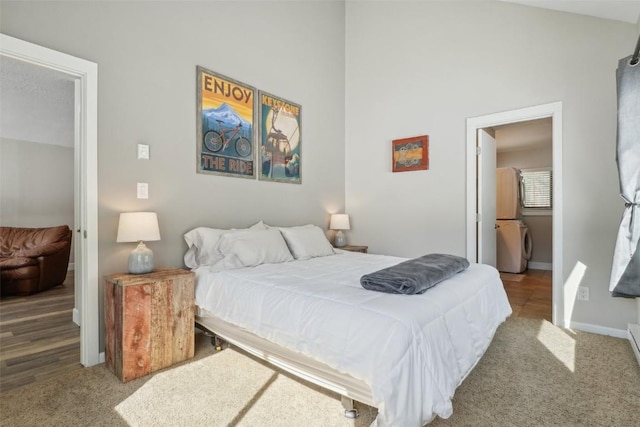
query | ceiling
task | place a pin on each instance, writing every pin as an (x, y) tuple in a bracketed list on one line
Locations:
[(37, 104), (618, 10)]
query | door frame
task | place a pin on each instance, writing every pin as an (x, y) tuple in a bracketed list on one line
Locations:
[(554, 111), (86, 171)]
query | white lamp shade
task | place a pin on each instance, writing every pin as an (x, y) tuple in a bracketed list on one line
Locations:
[(138, 227), (339, 222)]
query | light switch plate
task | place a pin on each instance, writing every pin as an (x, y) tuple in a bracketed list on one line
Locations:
[(143, 151), (143, 190)]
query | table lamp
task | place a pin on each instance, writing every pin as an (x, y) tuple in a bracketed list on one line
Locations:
[(339, 222), (139, 227)]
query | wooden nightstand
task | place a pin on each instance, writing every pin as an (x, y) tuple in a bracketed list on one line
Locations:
[(149, 321), (353, 248)]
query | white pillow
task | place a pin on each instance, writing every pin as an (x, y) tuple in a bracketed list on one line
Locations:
[(307, 241), (254, 247), (202, 246), (190, 257), (202, 243)]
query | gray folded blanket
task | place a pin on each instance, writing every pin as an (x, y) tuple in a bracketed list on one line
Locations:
[(414, 276)]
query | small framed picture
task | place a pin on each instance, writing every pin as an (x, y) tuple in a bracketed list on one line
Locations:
[(410, 154)]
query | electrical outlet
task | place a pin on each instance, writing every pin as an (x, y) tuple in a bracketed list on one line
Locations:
[(583, 293), (143, 190)]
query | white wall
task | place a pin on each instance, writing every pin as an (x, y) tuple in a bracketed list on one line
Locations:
[(36, 184), (523, 159), (416, 68), (147, 54), (412, 68)]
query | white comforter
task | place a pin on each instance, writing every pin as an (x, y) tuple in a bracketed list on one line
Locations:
[(413, 350)]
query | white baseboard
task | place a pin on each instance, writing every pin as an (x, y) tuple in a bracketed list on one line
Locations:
[(101, 357), (634, 339), (596, 329), (540, 265), (76, 316)]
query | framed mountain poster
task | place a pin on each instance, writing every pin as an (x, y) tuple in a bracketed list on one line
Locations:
[(226, 116)]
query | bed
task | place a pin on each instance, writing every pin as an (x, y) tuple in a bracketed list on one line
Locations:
[(403, 354)]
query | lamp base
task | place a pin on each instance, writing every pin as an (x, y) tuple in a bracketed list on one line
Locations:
[(340, 240), (141, 260)]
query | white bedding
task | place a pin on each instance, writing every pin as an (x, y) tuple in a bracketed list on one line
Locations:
[(412, 350)]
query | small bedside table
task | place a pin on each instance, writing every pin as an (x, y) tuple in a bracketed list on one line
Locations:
[(149, 321), (353, 248)]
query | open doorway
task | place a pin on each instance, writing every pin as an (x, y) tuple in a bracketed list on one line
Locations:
[(40, 334), (477, 218), (524, 237), (85, 81)]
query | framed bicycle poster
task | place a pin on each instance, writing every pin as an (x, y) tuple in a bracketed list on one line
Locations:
[(280, 139), (226, 116)]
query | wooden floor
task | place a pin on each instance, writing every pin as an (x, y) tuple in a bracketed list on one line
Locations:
[(529, 293), (38, 338)]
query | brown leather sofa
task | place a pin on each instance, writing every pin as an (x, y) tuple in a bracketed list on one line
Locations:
[(33, 259)]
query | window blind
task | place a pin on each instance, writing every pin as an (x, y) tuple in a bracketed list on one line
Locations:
[(537, 188)]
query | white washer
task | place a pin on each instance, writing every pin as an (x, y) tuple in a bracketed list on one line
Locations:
[(514, 245)]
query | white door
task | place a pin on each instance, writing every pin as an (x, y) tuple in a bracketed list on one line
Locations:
[(486, 225)]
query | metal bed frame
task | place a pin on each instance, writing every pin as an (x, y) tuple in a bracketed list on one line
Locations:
[(297, 364)]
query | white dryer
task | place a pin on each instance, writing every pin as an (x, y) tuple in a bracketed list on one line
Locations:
[(514, 245)]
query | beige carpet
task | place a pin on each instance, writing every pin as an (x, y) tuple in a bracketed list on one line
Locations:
[(534, 374)]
